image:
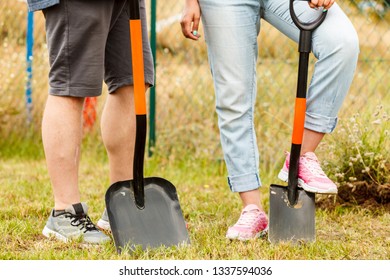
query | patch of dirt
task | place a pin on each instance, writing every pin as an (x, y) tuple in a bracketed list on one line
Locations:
[(366, 195), (359, 192)]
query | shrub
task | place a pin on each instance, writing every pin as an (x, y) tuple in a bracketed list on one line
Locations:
[(360, 162)]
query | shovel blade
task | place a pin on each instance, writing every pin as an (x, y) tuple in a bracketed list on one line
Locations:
[(291, 223), (159, 223)]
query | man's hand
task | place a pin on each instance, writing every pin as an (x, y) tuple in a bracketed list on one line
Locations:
[(190, 20), (326, 4)]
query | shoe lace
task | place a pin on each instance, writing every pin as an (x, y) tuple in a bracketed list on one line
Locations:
[(314, 167), (82, 220)]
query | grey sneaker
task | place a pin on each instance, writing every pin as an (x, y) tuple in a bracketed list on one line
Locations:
[(72, 223), (104, 223)]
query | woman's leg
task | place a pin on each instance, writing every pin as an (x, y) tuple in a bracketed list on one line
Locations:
[(231, 29), (335, 45)]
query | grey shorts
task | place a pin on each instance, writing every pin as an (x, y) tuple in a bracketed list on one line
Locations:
[(88, 41)]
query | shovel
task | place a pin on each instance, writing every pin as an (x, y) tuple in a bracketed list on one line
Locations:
[(143, 211), (292, 210)]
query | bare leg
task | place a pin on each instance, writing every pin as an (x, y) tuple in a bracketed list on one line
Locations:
[(118, 132), (251, 197), (61, 136), (311, 140)]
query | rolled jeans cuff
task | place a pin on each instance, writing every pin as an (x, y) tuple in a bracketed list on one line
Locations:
[(244, 183), (320, 123)]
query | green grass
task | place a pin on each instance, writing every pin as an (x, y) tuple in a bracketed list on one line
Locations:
[(342, 232)]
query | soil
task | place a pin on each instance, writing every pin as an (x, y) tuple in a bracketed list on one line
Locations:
[(366, 195)]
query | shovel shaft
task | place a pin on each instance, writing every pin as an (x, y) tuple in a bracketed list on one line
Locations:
[(299, 116), (292, 189), (139, 101), (138, 167), (134, 9), (138, 66), (304, 49), (298, 128)]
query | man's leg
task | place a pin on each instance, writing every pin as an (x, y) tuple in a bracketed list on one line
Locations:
[(118, 128), (118, 133), (76, 71), (61, 136)]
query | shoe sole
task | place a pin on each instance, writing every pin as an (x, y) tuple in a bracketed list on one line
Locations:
[(283, 175), (241, 238), (51, 233), (103, 225)]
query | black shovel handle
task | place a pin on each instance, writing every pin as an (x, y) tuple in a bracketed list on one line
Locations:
[(309, 26), (139, 100), (304, 49)]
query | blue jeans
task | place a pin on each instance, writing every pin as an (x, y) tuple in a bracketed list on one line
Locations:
[(231, 28)]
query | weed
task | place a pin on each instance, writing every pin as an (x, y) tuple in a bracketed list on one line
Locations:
[(361, 155)]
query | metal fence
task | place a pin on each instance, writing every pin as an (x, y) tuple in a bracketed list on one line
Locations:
[(182, 101)]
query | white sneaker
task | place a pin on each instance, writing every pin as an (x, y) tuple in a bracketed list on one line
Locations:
[(104, 223)]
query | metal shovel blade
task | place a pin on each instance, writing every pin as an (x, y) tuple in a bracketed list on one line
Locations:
[(159, 223), (291, 223)]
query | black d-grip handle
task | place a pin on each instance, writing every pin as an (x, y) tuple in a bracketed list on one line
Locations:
[(308, 26)]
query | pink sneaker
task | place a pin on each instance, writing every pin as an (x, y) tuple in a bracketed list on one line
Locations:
[(311, 178), (252, 223)]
